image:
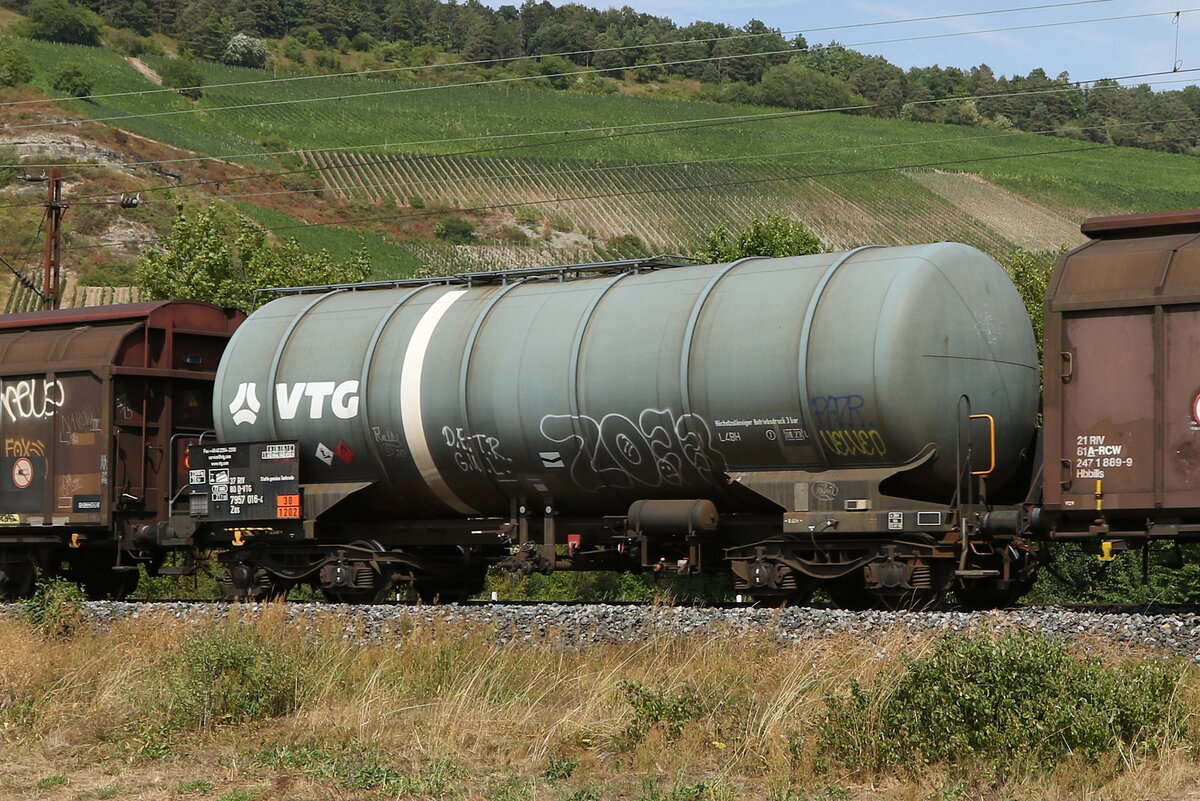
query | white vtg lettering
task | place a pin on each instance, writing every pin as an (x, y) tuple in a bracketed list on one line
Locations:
[(342, 399)]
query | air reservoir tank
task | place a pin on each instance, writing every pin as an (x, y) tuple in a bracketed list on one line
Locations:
[(637, 382)]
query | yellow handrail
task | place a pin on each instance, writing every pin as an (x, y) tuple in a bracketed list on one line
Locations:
[(992, 429)]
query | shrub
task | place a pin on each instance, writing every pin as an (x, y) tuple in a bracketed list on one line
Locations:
[(56, 609), (70, 79), (328, 59), (457, 230), (628, 245), (129, 43), (232, 675), (512, 235), (1020, 700), (60, 21), (668, 709), (293, 48), (183, 75), (770, 236), (15, 66), (245, 51)]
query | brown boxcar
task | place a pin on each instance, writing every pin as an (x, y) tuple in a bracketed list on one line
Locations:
[(97, 407), (1122, 382)]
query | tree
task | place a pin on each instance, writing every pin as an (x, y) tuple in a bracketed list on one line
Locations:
[(70, 79), (769, 236), (795, 86), (15, 66), (225, 258), (184, 75), (245, 51), (60, 21)]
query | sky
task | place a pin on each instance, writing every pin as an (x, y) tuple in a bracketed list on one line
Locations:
[(1087, 51)]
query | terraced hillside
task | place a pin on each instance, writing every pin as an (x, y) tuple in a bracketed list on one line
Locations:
[(670, 207)]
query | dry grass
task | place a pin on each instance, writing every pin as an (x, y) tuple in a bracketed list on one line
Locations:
[(437, 712)]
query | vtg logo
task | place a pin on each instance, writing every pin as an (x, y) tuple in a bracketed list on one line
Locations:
[(342, 397)]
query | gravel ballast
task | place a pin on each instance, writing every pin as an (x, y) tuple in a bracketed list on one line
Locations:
[(577, 625)]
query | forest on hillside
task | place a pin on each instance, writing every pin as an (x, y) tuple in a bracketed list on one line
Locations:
[(574, 47)]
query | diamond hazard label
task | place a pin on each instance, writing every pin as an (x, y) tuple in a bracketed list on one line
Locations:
[(324, 454), (344, 452)]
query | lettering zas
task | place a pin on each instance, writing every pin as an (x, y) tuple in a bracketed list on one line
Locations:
[(32, 398), (659, 449)]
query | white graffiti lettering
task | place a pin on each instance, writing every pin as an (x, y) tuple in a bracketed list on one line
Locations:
[(477, 453), (32, 398), (660, 449)]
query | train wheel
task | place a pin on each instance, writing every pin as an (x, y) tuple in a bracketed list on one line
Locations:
[(100, 582), (980, 595), (17, 579), (928, 582), (247, 581), (849, 592), (356, 581), (373, 595)]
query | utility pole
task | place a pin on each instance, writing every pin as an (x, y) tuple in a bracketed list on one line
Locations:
[(56, 207), (51, 291), (51, 260)]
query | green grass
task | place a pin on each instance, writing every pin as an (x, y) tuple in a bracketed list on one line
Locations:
[(388, 258)]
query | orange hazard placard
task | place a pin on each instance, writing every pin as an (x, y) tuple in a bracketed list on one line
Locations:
[(287, 506)]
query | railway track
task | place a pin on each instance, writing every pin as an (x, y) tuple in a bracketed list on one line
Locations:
[(1167, 630)]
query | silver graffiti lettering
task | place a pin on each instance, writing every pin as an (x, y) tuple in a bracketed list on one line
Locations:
[(32, 398), (660, 449)]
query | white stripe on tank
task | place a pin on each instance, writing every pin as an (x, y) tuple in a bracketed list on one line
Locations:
[(410, 402)]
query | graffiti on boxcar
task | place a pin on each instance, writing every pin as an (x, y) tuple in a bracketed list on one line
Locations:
[(477, 453), (32, 398), (21, 446), (659, 449), (78, 426)]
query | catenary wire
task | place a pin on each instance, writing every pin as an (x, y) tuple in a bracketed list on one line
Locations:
[(685, 162), (1065, 87), (574, 73), (477, 62), (641, 129)]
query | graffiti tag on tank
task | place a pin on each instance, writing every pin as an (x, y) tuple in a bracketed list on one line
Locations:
[(659, 449), (477, 453), (843, 429)]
